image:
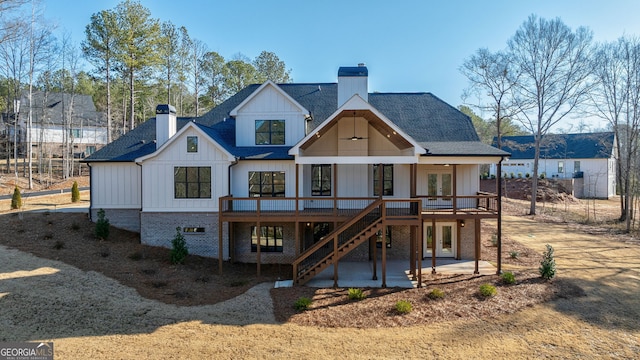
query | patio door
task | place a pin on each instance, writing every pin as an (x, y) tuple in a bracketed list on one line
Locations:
[(438, 188), (444, 236)]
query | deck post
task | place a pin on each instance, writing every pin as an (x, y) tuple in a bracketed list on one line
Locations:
[(375, 259), (433, 245), (220, 246), (419, 246), (455, 189), (384, 251), (335, 261), (258, 242), (499, 230), (477, 243), (412, 252)]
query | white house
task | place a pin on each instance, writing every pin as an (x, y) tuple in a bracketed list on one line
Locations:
[(588, 158), (58, 118), (304, 174)]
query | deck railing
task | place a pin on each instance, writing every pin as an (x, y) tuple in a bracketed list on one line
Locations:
[(348, 206)]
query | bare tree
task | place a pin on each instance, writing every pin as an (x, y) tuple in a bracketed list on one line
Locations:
[(198, 51), (617, 99), (554, 65), (493, 75)]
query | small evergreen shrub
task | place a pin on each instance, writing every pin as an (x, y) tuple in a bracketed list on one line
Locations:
[(513, 176), (519, 175), (404, 307), (436, 294), (548, 264), (102, 226), (488, 290), (179, 249), (508, 278), (543, 175), (356, 294), (16, 199), (493, 176), (75, 192), (527, 175), (302, 304), (514, 254), (494, 240)]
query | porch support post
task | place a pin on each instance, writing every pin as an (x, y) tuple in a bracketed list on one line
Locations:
[(232, 244), (499, 230), (380, 181), (335, 193), (220, 244), (297, 237), (297, 192), (433, 245), (335, 261), (420, 252), (384, 251), (413, 242), (455, 189), (258, 242), (477, 243), (412, 252)]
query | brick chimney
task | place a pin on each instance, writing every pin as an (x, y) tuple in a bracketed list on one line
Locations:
[(165, 123), (352, 80)]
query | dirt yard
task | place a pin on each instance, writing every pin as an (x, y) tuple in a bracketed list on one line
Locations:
[(89, 315)]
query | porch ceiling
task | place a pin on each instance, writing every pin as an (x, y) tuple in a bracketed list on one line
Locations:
[(379, 125)]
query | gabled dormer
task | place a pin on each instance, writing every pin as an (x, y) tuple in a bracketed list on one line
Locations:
[(269, 117)]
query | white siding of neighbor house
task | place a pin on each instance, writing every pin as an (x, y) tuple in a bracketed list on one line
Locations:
[(158, 175), (115, 186), (90, 135), (269, 104)]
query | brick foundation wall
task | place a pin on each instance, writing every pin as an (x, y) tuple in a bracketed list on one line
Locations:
[(158, 229), (242, 244)]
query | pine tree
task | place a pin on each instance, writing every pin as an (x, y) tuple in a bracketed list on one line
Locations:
[(75, 192), (179, 249), (16, 200), (548, 264), (102, 226)]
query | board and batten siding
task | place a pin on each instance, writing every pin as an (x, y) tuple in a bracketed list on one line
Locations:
[(467, 177), (158, 175), (115, 186), (269, 104)]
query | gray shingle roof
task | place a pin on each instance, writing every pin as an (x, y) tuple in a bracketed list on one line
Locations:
[(443, 129), (561, 146), (49, 107)]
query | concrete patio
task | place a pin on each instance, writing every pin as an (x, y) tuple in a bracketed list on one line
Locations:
[(359, 274)]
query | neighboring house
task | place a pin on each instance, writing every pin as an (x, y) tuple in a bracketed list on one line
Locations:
[(588, 158), (84, 128), (303, 174)]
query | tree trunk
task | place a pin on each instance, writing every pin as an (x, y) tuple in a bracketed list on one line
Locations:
[(132, 118)]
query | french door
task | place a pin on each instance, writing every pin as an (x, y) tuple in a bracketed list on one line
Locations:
[(444, 237), (438, 188)]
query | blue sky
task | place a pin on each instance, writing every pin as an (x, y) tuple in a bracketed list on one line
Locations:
[(408, 46)]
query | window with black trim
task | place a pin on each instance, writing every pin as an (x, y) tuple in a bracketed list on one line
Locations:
[(270, 239), (192, 182), (193, 230), (192, 144), (269, 132), (266, 184), (387, 180), (321, 180)]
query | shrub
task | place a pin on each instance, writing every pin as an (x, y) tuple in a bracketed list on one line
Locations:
[(548, 264), (58, 245), (508, 278), (519, 175), (356, 294), (102, 226), (494, 240), (527, 175), (543, 175), (512, 175), (75, 226), (302, 304), (514, 254), (75, 192), (179, 249), (404, 307), (493, 176), (488, 290), (436, 294), (16, 199)]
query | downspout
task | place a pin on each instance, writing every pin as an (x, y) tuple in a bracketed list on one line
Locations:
[(141, 192), (235, 162), (499, 173), (90, 190)]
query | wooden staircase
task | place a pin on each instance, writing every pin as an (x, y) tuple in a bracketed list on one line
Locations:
[(338, 243)]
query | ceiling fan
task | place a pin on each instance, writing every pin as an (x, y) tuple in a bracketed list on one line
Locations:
[(354, 137)]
